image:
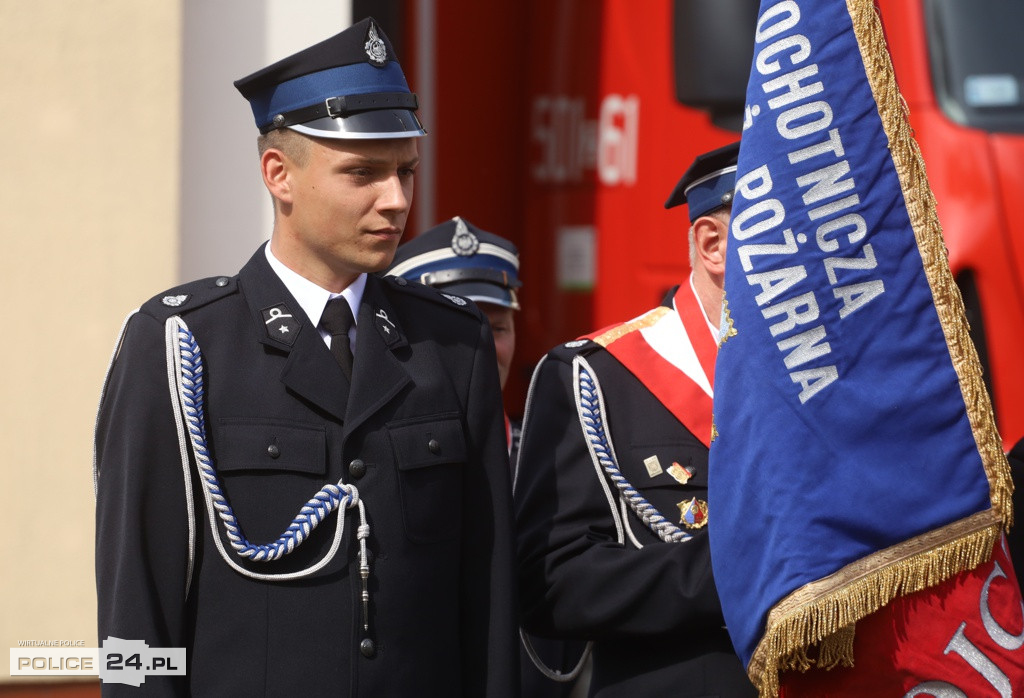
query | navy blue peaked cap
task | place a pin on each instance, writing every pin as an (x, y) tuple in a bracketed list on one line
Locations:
[(460, 258), (347, 86), (708, 183)]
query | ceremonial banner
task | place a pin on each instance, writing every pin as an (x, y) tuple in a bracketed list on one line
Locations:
[(855, 458)]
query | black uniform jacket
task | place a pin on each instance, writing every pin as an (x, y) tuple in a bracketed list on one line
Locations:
[(420, 433), (1015, 537), (652, 612)]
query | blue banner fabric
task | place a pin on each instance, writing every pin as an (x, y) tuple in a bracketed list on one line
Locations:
[(841, 425)]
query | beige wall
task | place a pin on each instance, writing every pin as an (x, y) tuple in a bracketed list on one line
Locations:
[(89, 112)]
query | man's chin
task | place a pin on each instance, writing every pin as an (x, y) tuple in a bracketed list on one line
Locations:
[(380, 263)]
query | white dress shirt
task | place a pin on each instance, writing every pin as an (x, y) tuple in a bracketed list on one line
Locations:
[(313, 299)]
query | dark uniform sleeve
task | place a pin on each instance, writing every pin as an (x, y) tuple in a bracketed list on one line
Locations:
[(142, 533), (1016, 536), (577, 581), (489, 627)]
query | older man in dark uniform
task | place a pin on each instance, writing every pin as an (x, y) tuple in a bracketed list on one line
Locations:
[(301, 470), (611, 488)]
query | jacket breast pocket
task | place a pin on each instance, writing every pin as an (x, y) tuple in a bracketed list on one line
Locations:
[(431, 455), (268, 470)]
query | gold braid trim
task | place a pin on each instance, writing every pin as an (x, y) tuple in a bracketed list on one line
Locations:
[(825, 612), (645, 320), (906, 155)]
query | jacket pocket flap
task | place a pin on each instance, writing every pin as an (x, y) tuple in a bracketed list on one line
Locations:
[(255, 444), (428, 441)]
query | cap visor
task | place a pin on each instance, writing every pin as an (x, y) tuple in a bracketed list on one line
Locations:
[(380, 123), (482, 293)]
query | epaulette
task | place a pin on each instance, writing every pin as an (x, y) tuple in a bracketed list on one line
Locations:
[(578, 347), (430, 293), (189, 296)]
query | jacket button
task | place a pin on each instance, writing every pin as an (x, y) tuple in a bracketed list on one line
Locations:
[(367, 648), (434, 446), (222, 281), (273, 451), (357, 468), (401, 281)]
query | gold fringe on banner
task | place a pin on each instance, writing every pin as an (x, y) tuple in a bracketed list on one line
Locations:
[(814, 626), (824, 613)]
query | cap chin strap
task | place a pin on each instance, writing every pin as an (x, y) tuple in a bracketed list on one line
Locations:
[(449, 276), (340, 107)]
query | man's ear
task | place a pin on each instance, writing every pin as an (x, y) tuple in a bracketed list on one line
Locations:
[(710, 234), (275, 167)]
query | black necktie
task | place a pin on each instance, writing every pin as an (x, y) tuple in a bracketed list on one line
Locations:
[(337, 319)]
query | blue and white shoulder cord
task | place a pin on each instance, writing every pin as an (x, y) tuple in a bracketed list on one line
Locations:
[(593, 421), (185, 377)]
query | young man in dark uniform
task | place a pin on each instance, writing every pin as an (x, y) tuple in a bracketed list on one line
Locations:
[(611, 487), (302, 474)]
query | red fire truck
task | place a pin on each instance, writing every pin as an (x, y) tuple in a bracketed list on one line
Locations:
[(564, 125)]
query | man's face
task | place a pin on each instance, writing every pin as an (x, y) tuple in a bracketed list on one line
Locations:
[(503, 326), (348, 205)]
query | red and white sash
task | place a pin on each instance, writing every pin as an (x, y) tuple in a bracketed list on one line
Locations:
[(672, 352)]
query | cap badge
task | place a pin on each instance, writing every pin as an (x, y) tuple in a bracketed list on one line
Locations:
[(464, 242), (376, 51), (174, 301), (693, 513)]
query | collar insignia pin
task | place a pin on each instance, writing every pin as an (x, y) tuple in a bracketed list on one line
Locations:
[(387, 329), (280, 323)]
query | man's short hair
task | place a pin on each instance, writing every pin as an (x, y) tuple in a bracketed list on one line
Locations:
[(291, 143)]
